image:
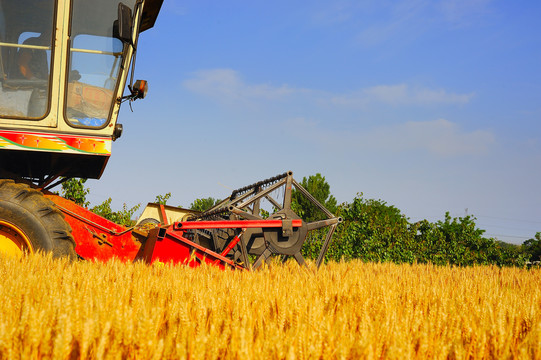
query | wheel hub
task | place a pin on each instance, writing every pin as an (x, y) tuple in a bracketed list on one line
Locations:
[(13, 241)]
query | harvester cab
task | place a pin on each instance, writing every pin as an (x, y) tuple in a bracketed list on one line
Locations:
[(64, 65)]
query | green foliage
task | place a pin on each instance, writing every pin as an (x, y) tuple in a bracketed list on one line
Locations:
[(532, 247), (458, 241), (264, 213), (375, 231), (203, 204), (122, 217), (162, 199), (74, 190), (321, 190)]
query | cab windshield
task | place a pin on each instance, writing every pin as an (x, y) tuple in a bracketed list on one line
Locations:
[(26, 43), (95, 58)]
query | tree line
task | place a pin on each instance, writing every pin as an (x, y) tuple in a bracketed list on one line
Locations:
[(372, 230)]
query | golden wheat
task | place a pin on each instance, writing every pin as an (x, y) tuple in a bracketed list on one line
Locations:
[(61, 310)]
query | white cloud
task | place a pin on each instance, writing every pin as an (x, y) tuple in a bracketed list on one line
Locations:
[(227, 85), (440, 137), (403, 20), (464, 12), (337, 12), (400, 94), (406, 20)]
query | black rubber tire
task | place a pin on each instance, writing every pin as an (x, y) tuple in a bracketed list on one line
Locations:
[(37, 217)]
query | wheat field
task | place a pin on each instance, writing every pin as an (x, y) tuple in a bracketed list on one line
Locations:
[(61, 310)]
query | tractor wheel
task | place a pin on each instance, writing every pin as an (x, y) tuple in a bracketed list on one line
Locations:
[(29, 223)]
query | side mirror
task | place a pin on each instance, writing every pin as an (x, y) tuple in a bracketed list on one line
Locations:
[(122, 28), (139, 89)]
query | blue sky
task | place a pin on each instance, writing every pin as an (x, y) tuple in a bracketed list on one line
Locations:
[(431, 106)]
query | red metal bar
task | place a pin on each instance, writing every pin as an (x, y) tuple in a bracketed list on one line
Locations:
[(164, 215), (169, 245), (202, 249), (233, 224), (231, 245)]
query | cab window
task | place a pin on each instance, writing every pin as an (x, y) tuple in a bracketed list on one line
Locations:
[(26, 43), (95, 60)]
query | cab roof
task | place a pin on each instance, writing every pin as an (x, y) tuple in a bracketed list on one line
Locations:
[(150, 13)]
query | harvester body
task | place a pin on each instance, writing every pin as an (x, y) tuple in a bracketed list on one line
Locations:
[(64, 65)]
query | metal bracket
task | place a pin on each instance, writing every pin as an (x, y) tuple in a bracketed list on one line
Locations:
[(287, 227), (102, 238)]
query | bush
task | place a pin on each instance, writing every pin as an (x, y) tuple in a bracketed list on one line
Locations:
[(374, 231), (122, 217)]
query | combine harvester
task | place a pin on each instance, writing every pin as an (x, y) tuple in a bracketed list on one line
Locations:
[(64, 65)]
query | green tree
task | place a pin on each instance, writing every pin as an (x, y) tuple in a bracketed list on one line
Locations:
[(122, 217), (459, 241), (74, 189), (162, 199), (372, 230), (532, 247), (319, 189), (204, 204), (455, 241)]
